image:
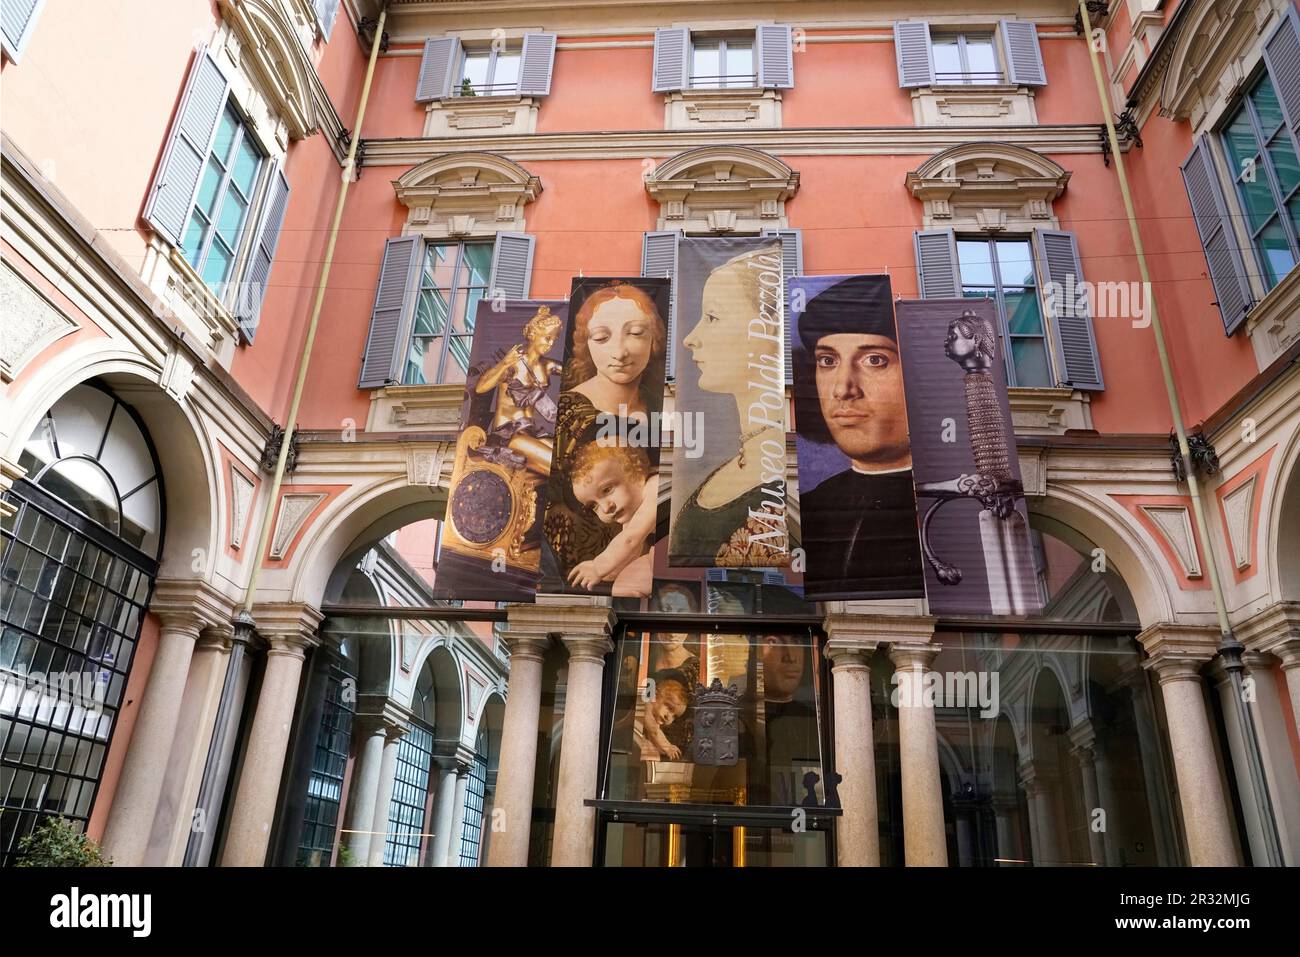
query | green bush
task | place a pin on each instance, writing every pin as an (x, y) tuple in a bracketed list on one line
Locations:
[(58, 843)]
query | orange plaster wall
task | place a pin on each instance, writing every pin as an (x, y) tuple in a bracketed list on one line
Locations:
[(392, 110), (847, 84), (607, 89), (1070, 95), (145, 650)]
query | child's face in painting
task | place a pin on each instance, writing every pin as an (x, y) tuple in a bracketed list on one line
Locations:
[(669, 703), (609, 492)]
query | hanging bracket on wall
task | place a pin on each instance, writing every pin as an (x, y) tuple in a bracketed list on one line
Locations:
[(271, 451)]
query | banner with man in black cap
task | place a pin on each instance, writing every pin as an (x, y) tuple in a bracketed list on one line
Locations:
[(857, 506)]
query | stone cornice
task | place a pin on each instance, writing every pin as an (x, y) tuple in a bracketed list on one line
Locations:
[(1176, 650), (851, 631), (186, 597), (1270, 630), (849, 141)]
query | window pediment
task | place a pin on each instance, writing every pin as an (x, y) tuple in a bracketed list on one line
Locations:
[(269, 45), (988, 187), (466, 194), (722, 190)]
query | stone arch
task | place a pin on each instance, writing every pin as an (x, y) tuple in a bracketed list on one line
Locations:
[(1279, 521), (1074, 517), (722, 189), (988, 187), (449, 694), (492, 716), (188, 464), (271, 46), (458, 195)]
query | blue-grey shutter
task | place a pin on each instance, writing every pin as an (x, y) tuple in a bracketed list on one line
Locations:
[(1282, 56), (1024, 58), (1070, 315), (791, 266), (326, 11), (441, 56), (17, 19), (512, 266), (659, 260), (253, 289), (936, 264), (188, 143), (390, 320), (536, 64), (913, 53), (1218, 240), (672, 57), (775, 56)]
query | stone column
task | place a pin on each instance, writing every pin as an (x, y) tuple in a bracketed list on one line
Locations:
[(1084, 754), (1276, 631), (1042, 816), (444, 811), (924, 840), (575, 822), (184, 608), (857, 837), (384, 797), (1177, 654), (1290, 656), (519, 743), (1008, 849), (457, 815), (291, 631), (364, 790)]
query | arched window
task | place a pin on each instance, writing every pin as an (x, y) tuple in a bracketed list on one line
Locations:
[(471, 840), (79, 558)]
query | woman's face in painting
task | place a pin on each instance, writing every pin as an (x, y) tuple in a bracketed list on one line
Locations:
[(620, 338), (720, 343)]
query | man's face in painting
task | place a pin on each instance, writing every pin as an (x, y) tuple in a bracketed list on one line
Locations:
[(860, 387)]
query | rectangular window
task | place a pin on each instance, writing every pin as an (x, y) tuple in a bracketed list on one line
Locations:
[(410, 795), (453, 279), (489, 73), (1003, 269), (965, 58), (1261, 152), (723, 62), (220, 216)]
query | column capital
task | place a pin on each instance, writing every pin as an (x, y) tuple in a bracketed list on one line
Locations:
[(458, 761), (1083, 736), (592, 648), (913, 656), (866, 632), (1275, 631), (190, 604), (1176, 652), (849, 657), (288, 627), (379, 713), (10, 472)]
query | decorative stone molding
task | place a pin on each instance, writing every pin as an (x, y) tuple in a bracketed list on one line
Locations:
[(722, 189), (1176, 651), (192, 598), (31, 323), (241, 499), (722, 109), (288, 627), (426, 467), (426, 408), (1003, 104), (1217, 48), (10, 472), (1275, 631), (1174, 522), (988, 187), (1049, 411), (1238, 510), (294, 509), (267, 45), (474, 115), (466, 195), (1273, 325), (850, 632)]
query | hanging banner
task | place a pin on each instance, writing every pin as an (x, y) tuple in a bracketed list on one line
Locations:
[(975, 526), (604, 488), (491, 537), (729, 488), (857, 510)]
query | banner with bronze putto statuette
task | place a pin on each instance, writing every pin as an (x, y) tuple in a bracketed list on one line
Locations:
[(729, 505), (491, 540)]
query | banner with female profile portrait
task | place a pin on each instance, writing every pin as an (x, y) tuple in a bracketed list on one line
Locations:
[(491, 540), (729, 490), (857, 510), (604, 488)]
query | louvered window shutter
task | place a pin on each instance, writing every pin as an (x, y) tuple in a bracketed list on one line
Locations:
[(512, 265), (1218, 241), (775, 56), (659, 260), (253, 288), (440, 58), (537, 64), (912, 50), (1282, 55), (1069, 311), (791, 266), (326, 11), (172, 194), (1024, 58), (390, 320), (17, 20), (936, 264), (672, 58)]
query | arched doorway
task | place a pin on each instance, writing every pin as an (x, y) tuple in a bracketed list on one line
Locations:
[(79, 561)]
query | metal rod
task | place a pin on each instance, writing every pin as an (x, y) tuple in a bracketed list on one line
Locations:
[(1230, 649)]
